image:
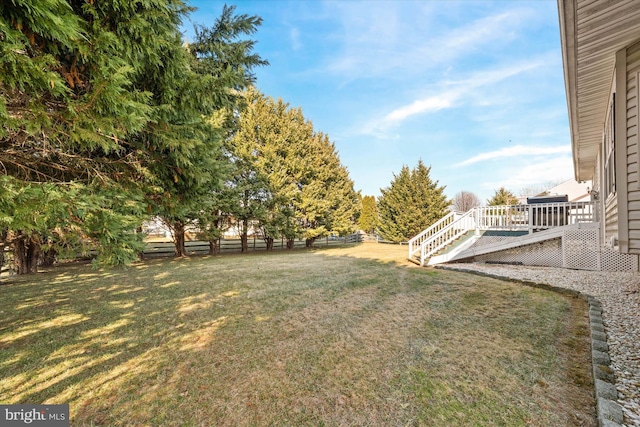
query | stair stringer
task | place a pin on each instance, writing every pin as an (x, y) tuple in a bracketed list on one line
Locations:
[(450, 255)]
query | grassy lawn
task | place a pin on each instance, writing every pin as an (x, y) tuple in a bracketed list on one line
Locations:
[(331, 337)]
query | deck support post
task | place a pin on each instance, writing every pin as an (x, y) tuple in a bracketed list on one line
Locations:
[(476, 219)]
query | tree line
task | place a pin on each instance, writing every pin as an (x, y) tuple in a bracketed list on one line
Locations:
[(109, 118)]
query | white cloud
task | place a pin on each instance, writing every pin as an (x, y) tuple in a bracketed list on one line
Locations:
[(452, 91), (386, 37), (515, 151), (490, 29), (540, 172), (434, 103)]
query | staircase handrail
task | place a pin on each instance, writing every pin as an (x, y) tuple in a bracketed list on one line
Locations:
[(416, 241), (445, 236)]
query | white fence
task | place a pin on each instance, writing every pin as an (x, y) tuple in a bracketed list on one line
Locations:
[(200, 247)]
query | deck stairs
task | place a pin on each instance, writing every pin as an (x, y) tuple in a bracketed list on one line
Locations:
[(456, 233)]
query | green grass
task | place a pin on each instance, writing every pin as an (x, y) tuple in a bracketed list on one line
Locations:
[(333, 337)]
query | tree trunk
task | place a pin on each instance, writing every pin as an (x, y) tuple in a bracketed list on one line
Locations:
[(139, 230), (309, 242), (290, 243), (243, 236), (178, 236), (214, 248), (3, 243), (26, 254), (49, 257), (20, 256), (269, 242)]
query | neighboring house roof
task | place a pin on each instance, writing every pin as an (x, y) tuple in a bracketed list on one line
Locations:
[(576, 191), (591, 32)]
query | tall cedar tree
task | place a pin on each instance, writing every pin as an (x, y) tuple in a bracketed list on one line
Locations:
[(293, 175), (369, 221), (43, 220), (412, 203), (69, 102), (189, 164), (103, 94), (262, 149), (329, 204)]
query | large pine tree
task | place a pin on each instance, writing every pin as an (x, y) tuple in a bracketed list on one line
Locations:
[(410, 204), (187, 162), (289, 178), (70, 103), (369, 221), (104, 98)]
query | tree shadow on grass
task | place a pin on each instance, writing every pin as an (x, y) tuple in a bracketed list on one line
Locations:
[(221, 340), (84, 337)]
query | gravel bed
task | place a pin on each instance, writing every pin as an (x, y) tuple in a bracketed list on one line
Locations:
[(619, 294)]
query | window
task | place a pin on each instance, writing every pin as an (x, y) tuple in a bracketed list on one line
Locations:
[(609, 184)]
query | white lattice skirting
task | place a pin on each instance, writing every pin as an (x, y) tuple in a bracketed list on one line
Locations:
[(577, 249)]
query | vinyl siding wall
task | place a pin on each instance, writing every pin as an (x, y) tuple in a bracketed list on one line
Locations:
[(632, 152)]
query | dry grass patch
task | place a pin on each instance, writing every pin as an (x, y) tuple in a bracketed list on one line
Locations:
[(340, 336)]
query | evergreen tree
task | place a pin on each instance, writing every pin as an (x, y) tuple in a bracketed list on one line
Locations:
[(43, 220), (256, 149), (368, 221), (104, 94), (188, 164), (70, 92), (412, 203), (295, 181), (502, 197)]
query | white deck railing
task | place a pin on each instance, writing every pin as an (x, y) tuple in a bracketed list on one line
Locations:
[(458, 228), (416, 242), (532, 218)]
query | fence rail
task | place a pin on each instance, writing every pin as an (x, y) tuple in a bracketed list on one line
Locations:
[(200, 247), (166, 248)]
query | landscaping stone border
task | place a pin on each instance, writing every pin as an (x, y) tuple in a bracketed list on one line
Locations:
[(608, 410)]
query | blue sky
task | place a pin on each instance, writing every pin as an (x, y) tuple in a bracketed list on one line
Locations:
[(473, 88)]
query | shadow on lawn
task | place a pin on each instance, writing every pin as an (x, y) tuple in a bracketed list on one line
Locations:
[(85, 336), (148, 344)]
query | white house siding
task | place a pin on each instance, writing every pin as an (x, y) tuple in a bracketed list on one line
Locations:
[(611, 219), (633, 182), (597, 189)]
